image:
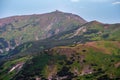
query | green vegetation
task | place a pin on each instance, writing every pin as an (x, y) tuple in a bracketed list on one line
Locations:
[(21, 29), (5, 68), (60, 46), (82, 61)]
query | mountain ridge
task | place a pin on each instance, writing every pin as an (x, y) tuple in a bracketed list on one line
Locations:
[(26, 16), (19, 29)]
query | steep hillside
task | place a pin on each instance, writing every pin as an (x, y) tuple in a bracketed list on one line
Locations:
[(54, 26), (94, 31), (93, 60), (19, 29), (91, 31)]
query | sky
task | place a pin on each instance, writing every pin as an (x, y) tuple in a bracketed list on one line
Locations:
[(105, 11)]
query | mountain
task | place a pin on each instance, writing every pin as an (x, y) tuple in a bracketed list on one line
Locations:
[(94, 31), (67, 48), (91, 31), (56, 25), (20, 29)]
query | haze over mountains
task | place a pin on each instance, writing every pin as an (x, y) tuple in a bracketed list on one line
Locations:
[(58, 45)]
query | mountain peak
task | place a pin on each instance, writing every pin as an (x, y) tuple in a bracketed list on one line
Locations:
[(57, 11)]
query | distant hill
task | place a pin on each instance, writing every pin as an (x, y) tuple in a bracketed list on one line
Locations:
[(94, 31)]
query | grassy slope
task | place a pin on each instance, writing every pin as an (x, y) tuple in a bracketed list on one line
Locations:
[(20, 29), (94, 31), (7, 66), (102, 58), (27, 27)]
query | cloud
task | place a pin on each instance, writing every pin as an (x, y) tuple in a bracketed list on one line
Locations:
[(90, 0), (115, 3), (99, 0), (75, 0)]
